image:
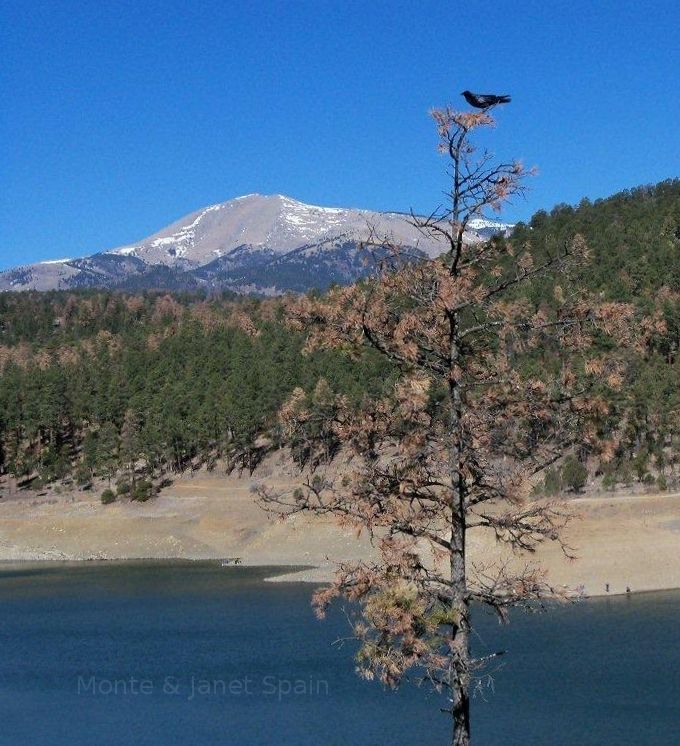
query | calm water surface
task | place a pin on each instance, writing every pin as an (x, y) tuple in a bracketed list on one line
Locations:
[(192, 653)]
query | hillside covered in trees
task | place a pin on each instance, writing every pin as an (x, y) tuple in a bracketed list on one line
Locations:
[(634, 240), (95, 383), (131, 387)]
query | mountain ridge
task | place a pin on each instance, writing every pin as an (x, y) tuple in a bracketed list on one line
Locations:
[(253, 243)]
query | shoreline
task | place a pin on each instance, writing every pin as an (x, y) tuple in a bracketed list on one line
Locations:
[(275, 574), (624, 541)]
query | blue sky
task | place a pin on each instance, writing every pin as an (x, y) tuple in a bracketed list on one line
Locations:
[(119, 117)]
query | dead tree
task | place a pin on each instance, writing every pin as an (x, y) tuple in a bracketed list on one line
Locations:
[(493, 388)]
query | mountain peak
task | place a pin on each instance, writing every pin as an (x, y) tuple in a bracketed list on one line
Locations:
[(253, 242), (275, 222)]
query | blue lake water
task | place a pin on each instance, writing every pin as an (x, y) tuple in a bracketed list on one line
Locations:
[(192, 653)]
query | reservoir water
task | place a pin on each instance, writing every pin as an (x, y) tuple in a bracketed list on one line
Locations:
[(197, 654)]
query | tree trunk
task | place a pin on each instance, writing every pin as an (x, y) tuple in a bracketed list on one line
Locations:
[(459, 675)]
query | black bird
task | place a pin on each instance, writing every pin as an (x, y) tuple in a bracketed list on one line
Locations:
[(484, 100)]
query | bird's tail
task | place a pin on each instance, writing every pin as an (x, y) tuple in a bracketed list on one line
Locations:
[(504, 99)]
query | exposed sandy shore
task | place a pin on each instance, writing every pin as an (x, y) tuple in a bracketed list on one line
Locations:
[(626, 541)]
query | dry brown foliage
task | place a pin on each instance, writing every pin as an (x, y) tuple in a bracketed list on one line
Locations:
[(458, 444)]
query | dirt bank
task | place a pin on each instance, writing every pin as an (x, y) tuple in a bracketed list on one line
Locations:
[(627, 541)]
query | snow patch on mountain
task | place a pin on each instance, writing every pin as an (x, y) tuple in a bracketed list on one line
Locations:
[(484, 224)]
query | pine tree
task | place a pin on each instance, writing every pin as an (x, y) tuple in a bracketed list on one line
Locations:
[(130, 443), (492, 388)]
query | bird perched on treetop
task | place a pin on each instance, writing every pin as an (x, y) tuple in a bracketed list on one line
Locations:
[(484, 100)]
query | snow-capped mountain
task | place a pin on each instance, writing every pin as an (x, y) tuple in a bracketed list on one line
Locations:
[(275, 223), (253, 243)]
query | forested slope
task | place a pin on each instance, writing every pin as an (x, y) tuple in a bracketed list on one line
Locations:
[(634, 239), (101, 383), (92, 383)]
